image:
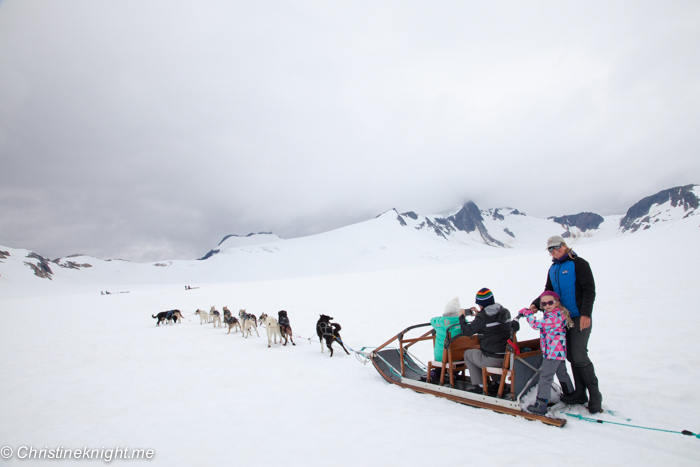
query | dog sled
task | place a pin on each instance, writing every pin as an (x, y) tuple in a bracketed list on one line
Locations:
[(518, 374)]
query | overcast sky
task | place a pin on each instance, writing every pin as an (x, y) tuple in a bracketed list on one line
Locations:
[(149, 130)]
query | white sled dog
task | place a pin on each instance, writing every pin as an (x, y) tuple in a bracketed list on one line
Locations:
[(273, 330), (215, 316), (203, 316), (249, 323)]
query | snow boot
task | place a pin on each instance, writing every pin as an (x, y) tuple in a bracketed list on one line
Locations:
[(595, 404), (578, 396), (434, 376), (539, 407), (565, 389)]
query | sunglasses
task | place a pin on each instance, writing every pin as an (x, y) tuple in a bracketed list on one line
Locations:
[(551, 302), (552, 248)]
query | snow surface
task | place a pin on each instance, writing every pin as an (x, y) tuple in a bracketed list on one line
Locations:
[(84, 369)]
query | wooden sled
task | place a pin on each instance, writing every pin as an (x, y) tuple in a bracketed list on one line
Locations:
[(520, 367)]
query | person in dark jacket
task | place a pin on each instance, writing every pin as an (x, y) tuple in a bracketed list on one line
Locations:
[(570, 276), (492, 325)]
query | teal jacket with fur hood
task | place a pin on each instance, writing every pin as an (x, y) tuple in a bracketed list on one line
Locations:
[(441, 323)]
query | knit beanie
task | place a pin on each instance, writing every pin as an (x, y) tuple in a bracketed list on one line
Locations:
[(484, 297), (452, 307), (550, 293)]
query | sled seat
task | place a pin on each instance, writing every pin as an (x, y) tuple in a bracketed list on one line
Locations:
[(453, 356), (445, 367), (504, 372), (523, 349)]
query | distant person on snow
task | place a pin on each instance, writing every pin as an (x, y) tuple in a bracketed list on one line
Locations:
[(571, 278), (492, 323), (552, 329)]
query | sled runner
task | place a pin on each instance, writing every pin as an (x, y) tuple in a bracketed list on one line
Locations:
[(520, 369)]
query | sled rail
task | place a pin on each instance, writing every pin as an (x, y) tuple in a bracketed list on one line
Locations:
[(400, 335), (430, 335)]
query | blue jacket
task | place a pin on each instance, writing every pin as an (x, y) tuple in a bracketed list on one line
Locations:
[(571, 277)]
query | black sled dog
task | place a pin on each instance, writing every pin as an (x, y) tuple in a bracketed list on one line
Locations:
[(170, 316), (330, 332)]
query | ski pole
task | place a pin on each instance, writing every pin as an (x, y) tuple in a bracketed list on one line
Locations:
[(595, 420)]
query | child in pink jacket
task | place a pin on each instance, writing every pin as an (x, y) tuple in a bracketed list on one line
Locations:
[(553, 345)]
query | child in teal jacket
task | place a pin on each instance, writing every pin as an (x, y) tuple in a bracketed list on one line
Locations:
[(441, 323)]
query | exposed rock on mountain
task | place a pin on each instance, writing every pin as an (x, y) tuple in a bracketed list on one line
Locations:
[(209, 254), (249, 235), (71, 264), (497, 216), (401, 221), (41, 269), (649, 210), (235, 240), (468, 219), (583, 221)]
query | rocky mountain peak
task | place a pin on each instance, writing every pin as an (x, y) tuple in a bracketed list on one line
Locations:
[(583, 221), (638, 216)]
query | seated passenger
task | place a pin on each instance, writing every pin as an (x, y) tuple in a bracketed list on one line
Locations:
[(440, 324), (492, 324)]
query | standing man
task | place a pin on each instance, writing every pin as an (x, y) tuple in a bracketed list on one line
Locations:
[(570, 276)]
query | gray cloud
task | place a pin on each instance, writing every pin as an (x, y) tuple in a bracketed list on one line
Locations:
[(149, 130)]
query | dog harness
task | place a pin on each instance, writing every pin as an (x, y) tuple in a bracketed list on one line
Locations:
[(325, 328), (284, 323)]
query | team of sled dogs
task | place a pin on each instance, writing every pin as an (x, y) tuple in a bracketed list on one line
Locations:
[(246, 323)]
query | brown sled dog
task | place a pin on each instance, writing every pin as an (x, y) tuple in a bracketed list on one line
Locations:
[(285, 327)]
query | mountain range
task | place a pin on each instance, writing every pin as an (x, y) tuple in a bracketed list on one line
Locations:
[(391, 240), (509, 227)]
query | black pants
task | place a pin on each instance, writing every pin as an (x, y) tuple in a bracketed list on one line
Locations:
[(577, 344)]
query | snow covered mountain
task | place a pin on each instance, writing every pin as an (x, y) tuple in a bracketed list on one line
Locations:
[(663, 207), (391, 240), (235, 241), (508, 227)]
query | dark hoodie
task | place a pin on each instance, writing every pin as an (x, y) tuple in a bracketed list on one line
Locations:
[(492, 325)]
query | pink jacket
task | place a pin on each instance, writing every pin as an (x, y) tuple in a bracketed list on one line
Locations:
[(552, 332)]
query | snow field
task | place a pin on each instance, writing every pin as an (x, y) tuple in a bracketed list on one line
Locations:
[(82, 369)]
